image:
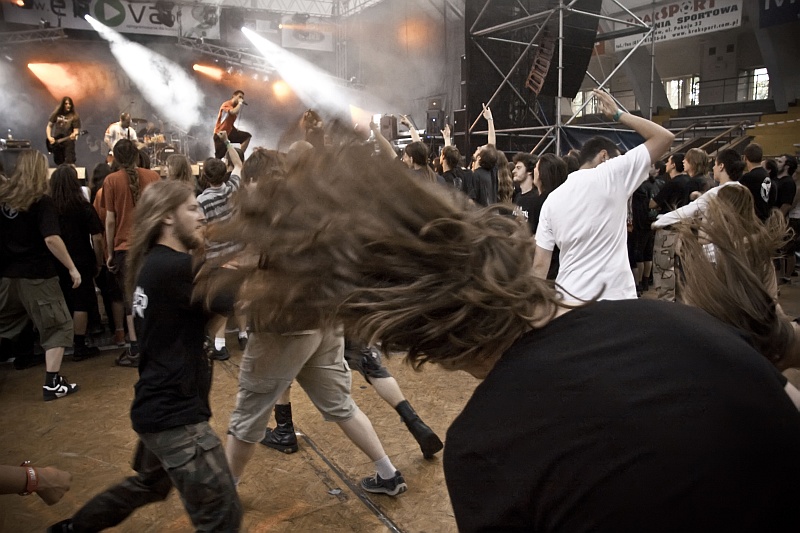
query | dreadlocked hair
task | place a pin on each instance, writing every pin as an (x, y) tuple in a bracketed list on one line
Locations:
[(127, 155), (733, 278), (346, 238)]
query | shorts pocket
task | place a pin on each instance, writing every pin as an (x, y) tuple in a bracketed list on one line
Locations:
[(181, 455), (53, 312)]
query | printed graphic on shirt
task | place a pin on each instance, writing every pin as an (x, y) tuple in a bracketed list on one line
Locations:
[(10, 212), (140, 301), (766, 185)]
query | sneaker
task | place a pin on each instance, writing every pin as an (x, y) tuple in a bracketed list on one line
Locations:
[(119, 337), (127, 359), (59, 390), (377, 485), (219, 355), (242, 342)]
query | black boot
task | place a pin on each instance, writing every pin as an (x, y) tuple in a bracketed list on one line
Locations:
[(429, 443), (282, 438)]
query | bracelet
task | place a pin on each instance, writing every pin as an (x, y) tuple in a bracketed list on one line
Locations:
[(32, 482), (618, 114)]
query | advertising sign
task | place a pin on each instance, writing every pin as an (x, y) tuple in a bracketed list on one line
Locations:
[(677, 20), (119, 15)]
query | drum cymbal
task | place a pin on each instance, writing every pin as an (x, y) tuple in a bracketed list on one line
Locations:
[(139, 120)]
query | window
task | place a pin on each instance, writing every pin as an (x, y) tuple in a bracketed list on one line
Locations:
[(753, 84), (682, 92), (580, 98)]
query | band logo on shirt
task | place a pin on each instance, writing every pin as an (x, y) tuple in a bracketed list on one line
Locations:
[(140, 301)]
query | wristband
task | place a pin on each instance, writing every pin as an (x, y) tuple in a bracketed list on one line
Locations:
[(227, 143), (618, 114), (32, 479)]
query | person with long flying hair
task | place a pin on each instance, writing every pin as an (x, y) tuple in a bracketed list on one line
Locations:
[(580, 422), (82, 233), (170, 411), (30, 237)]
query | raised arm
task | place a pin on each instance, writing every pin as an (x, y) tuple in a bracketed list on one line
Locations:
[(232, 154), (446, 135), (384, 145), (414, 133), (656, 139), (487, 114)]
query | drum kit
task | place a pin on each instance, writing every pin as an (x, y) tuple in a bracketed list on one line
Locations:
[(159, 146)]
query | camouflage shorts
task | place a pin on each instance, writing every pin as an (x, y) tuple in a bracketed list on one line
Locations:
[(365, 360), (664, 245), (191, 459)]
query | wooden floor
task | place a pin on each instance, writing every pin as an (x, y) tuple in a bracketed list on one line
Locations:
[(89, 435)]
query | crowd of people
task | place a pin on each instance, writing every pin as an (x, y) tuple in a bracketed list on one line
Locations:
[(523, 273)]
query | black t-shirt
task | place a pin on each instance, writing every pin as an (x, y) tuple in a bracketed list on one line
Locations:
[(76, 228), (763, 190), (454, 178), (674, 194), (630, 415), (174, 372), (23, 252), (529, 206), (63, 125), (786, 191)]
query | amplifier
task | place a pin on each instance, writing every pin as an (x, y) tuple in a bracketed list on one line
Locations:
[(15, 144)]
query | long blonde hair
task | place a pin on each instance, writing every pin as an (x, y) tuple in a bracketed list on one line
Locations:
[(157, 202), (27, 183)]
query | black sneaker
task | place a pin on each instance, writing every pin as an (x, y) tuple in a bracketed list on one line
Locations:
[(60, 389), (242, 342), (377, 485), (220, 355), (127, 359)]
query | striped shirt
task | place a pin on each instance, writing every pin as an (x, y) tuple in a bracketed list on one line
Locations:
[(217, 205)]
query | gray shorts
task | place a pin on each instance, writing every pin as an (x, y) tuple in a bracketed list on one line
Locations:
[(269, 365), (42, 301)]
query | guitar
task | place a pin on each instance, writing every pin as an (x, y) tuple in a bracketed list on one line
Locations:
[(60, 140)]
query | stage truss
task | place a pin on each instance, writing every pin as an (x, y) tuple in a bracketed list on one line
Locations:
[(549, 133)]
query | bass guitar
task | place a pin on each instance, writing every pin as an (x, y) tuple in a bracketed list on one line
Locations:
[(60, 140)]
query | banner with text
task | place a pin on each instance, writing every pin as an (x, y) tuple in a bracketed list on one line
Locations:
[(677, 20), (119, 15), (775, 12)]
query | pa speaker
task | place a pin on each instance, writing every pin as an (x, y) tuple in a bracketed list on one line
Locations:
[(389, 127), (435, 122)]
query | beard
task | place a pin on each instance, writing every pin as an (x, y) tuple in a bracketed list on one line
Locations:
[(188, 238)]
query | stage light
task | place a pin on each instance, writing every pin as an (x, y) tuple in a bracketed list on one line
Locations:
[(211, 72), (80, 80), (81, 8), (165, 85), (281, 90), (164, 13)]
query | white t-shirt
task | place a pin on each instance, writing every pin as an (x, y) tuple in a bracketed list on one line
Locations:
[(116, 132), (692, 209), (586, 218)]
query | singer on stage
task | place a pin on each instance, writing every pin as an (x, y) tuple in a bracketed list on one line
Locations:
[(228, 112), (63, 128)]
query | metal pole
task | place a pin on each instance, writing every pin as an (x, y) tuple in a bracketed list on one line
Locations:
[(560, 74)]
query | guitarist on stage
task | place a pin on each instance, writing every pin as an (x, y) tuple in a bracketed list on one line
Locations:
[(63, 128)]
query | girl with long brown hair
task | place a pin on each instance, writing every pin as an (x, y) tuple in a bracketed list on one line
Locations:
[(82, 233)]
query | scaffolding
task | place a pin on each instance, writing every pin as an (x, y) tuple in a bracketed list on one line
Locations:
[(550, 134)]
